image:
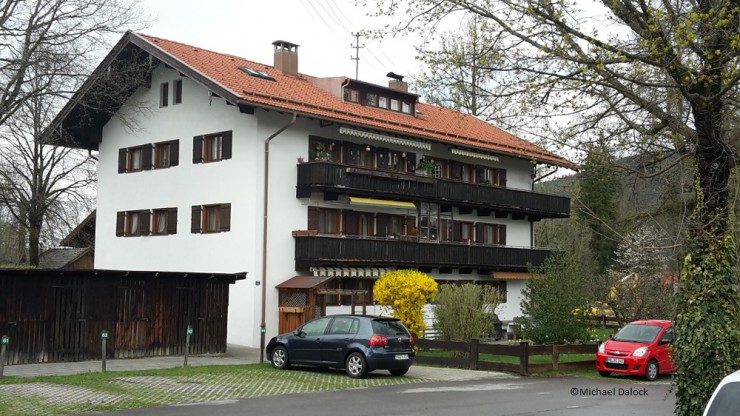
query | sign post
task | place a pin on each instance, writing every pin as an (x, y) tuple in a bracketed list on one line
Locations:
[(187, 344), (3, 350), (104, 341)]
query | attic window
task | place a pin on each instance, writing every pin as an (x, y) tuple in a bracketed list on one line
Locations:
[(256, 73)]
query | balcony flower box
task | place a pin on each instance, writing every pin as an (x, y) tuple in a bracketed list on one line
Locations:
[(304, 233)]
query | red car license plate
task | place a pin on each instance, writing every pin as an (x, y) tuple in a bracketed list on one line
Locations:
[(615, 360)]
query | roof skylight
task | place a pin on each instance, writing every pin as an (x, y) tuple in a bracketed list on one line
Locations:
[(256, 73)]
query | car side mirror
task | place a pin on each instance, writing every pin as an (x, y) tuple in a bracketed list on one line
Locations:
[(664, 341), (298, 332)]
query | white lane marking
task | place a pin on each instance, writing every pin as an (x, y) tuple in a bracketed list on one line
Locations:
[(478, 387), (211, 403)]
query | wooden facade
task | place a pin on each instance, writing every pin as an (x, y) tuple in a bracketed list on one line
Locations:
[(54, 316)]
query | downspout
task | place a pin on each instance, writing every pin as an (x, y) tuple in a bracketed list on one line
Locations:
[(263, 327), (534, 180)]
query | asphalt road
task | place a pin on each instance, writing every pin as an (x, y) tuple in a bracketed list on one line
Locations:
[(508, 397)]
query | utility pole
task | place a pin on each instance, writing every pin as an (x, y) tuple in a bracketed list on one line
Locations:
[(357, 48)]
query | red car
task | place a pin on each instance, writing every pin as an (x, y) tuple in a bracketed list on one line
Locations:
[(640, 348)]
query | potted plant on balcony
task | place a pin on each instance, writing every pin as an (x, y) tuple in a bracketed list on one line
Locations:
[(426, 167)]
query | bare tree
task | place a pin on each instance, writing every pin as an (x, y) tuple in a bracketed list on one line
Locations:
[(49, 49), (44, 40), (652, 77), (459, 74), (43, 185)]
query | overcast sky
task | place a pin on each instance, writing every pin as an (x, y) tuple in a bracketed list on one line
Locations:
[(322, 28)]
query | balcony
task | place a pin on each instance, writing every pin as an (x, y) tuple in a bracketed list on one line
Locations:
[(333, 178), (316, 250)]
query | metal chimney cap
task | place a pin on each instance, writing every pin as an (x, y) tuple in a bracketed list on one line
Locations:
[(394, 76)]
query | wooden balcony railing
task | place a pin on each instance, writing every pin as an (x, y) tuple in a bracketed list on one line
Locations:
[(336, 178), (338, 250)]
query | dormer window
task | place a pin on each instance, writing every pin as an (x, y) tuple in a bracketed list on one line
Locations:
[(351, 95), (370, 95)]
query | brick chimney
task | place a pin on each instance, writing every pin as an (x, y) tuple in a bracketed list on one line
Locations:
[(396, 82), (286, 57)]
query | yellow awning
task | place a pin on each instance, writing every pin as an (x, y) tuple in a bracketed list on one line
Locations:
[(381, 203)]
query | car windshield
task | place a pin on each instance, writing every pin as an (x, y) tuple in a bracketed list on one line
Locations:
[(726, 400), (638, 333)]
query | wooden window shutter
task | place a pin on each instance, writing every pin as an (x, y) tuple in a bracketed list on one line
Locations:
[(145, 218), (120, 223), (174, 153), (122, 159), (502, 178), (501, 235), (171, 220), (146, 157), (456, 231), (313, 218), (195, 220), (198, 149), (226, 144), (225, 217), (480, 232), (410, 224), (456, 170), (382, 225), (350, 225)]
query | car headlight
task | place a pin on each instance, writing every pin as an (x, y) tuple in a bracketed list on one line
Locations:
[(601, 348), (640, 352)]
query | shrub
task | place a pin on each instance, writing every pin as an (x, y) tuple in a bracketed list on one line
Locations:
[(554, 292), (406, 291), (465, 311)]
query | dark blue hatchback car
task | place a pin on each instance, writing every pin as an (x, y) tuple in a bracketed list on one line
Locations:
[(359, 344)]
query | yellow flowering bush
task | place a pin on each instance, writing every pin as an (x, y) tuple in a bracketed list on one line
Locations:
[(406, 291)]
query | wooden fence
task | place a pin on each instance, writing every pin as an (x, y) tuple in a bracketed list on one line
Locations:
[(53, 316), (522, 350)]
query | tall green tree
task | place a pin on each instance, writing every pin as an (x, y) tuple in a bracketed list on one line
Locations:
[(596, 204), (650, 76)]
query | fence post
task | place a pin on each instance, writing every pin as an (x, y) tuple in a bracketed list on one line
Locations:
[(524, 358), (3, 350), (473, 354), (555, 357), (187, 344), (104, 341)]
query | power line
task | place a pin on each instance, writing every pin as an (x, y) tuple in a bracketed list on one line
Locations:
[(332, 15)]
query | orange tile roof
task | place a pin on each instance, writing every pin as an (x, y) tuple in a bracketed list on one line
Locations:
[(296, 93)]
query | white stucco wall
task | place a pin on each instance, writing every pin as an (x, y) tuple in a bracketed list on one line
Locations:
[(238, 181)]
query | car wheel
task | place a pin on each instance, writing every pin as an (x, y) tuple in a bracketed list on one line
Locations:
[(399, 373), (280, 358), (651, 372), (605, 373), (356, 365)]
